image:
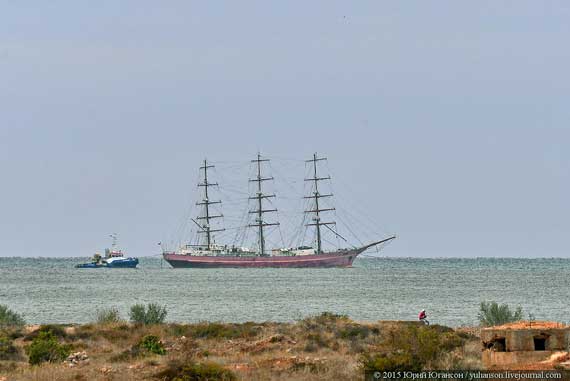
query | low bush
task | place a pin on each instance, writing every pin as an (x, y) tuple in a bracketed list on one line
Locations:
[(55, 330), (46, 348), (152, 344), (7, 349), (354, 332), (315, 341), (491, 313), (151, 314), (323, 319), (176, 329), (308, 367), (196, 371), (328, 317), (113, 333), (12, 333), (149, 344), (8, 366), (9, 318), (207, 330), (108, 316), (411, 348), (393, 362)]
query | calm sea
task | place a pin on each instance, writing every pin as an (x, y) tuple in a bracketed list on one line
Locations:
[(52, 291)]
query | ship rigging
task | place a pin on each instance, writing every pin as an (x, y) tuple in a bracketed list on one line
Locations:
[(209, 253)]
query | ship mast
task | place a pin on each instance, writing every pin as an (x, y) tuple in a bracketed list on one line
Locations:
[(259, 196), (114, 242), (206, 229), (316, 196)]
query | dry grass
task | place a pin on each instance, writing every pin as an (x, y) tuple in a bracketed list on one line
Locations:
[(326, 347)]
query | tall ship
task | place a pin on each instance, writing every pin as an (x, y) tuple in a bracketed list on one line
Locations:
[(207, 253)]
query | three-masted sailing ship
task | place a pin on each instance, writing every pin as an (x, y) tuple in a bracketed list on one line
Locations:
[(209, 254)]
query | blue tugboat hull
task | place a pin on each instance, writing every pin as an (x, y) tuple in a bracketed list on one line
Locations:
[(127, 263), (114, 258), (88, 266)]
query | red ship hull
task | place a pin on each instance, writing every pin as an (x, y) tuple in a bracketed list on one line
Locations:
[(342, 258)]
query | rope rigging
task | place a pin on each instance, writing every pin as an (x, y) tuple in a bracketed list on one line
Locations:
[(300, 214)]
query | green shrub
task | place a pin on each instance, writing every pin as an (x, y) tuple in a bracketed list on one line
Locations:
[(108, 315), (7, 349), (328, 317), (12, 333), (325, 318), (113, 333), (9, 318), (411, 348), (46, 348), (56, 330), (207, 330), (392, 362), (353, 332), (196, 371), (491, 313), (151, 314), (316, 340), (149, 344), (152, 344), (451, 340)]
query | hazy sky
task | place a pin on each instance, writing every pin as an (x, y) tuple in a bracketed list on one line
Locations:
[(447, 122)]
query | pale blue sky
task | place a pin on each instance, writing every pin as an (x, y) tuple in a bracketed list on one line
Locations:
[(450, 119)]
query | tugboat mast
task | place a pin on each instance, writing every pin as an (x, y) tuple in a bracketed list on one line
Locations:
[(259, 196), (206, 229), (316, 196), (114, 241)]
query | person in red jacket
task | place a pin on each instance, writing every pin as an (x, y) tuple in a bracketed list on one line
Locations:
[(423, 317)]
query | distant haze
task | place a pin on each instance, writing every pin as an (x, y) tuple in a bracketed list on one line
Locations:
[(447, 122)]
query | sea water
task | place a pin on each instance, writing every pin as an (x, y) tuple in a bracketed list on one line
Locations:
[(51, 290)]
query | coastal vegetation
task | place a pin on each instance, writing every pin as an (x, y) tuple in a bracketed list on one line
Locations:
[(9, 318), (491, 313), (151, 314), (108, 315), (194, 371), (46, 348), (415, 348), (7, 349), (152, 345), (322, 347)]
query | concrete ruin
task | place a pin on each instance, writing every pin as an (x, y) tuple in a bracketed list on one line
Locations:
[(521, 344)]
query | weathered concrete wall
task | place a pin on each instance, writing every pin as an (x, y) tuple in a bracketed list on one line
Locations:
[(519, 348), (506, 360), (523, 340)]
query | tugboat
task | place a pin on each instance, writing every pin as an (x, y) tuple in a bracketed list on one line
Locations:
[(94, 264), (114, 258)]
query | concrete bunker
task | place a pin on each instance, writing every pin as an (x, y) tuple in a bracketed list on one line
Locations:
[(497, 344), (522, 343), (540, 342)]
